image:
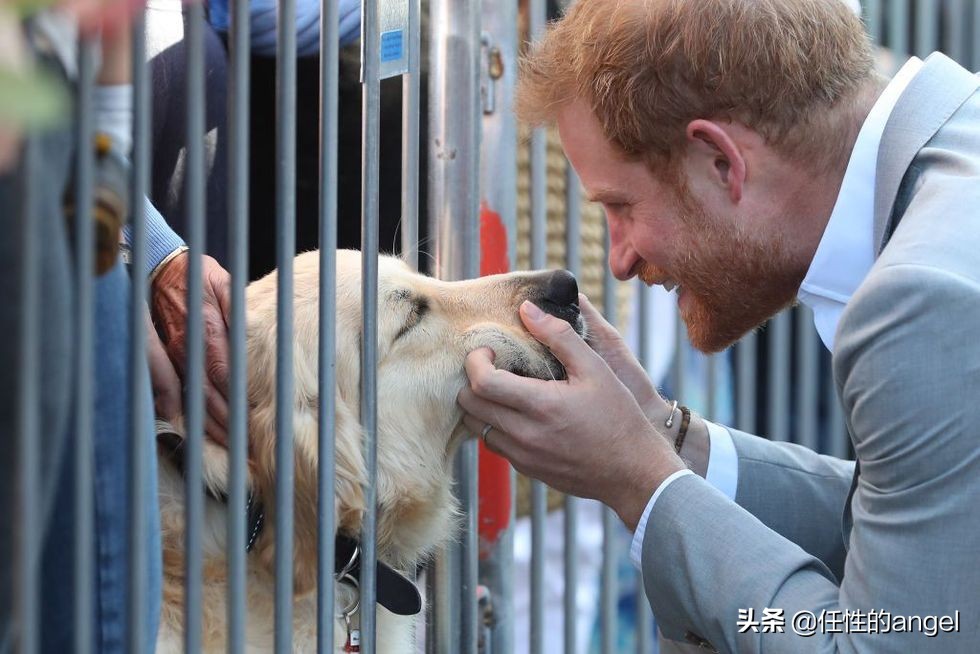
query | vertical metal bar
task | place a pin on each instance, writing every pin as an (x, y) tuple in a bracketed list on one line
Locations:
[(139, 182), (711, 386), (370, 163), (238, 189), (807, 376), (194, 486), (680, 347), (539, 220), (573, 260), (778, 379), (607, 595), (926, 27), (872, 18), (84, 349), (975, 38), (745, 363), (285, 251), (467, 460), (28, 531), (838, 443), (956, 30), (643, 616), (454, 212), (410, 138), (498, 183), (898, 28), (326, 364)]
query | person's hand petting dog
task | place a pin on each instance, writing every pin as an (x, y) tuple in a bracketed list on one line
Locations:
[(586, 435), (168, 299)]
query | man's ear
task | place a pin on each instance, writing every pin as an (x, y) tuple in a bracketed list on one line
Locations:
[(712, 145)]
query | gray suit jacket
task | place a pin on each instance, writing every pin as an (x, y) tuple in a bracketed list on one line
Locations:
[(900, 531)]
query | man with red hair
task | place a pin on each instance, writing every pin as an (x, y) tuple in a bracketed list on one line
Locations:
[(748, 155)]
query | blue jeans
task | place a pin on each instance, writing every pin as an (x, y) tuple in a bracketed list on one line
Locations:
[(112, 434)]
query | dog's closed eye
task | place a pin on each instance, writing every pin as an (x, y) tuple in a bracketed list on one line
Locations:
[(420, 307)]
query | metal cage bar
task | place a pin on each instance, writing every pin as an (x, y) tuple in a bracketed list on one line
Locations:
[(84, 349), (498, 199), (644, 618), (139, 185), (898, 27), (539, 219), (746, 371), (194, 378), (411, 95), (573, 261), (454, 218), (238, 189), (872, 18), (326, 362), (926, 27), (370, 148), (26, 599), (805, 382), (777, 382), (608, 586), (285, 251)]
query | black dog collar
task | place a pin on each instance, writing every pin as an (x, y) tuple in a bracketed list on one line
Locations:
[(395, 592)]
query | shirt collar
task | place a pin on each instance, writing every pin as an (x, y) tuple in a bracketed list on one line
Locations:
[(845, 253)]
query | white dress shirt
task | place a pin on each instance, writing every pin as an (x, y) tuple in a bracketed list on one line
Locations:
[(843, 258)]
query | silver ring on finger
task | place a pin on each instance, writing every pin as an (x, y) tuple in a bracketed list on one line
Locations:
[(483, 434)]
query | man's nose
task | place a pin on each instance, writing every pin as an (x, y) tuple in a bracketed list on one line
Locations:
[(622, 258)]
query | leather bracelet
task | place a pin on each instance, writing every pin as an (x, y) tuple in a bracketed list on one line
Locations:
[(685, 423)]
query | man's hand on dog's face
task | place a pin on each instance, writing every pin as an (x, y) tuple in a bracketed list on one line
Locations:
[(586, 435), (169, 306)]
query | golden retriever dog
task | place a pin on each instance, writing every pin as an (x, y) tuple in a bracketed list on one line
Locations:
[(425, 329)]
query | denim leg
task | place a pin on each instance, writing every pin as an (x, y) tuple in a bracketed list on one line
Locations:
[(113, 451)]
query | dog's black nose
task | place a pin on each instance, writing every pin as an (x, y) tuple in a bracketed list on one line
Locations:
[(561, 288), (559, 296)]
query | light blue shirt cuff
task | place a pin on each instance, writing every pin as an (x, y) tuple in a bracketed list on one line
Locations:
[(722, 474), (636, 547), (161, 240), (722, 460)]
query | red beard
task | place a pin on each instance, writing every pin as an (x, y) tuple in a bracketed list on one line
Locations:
[(731, 283)]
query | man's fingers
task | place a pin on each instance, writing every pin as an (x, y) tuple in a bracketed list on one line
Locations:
[(216, 351), (220, 281), (164, 381), (563, 341), (499, 386), (596, 324), (217, 433)]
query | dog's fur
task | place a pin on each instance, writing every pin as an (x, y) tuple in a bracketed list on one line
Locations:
[(425, 329)]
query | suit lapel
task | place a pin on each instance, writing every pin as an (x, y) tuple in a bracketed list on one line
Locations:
[(932, 96)]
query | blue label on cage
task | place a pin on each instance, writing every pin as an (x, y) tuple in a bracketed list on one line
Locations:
[(392, 45)]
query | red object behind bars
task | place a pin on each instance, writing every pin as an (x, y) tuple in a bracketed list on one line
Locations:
[(494, 507)]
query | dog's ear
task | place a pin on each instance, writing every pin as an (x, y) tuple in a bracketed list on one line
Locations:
[(348, 496), (171, 445)]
